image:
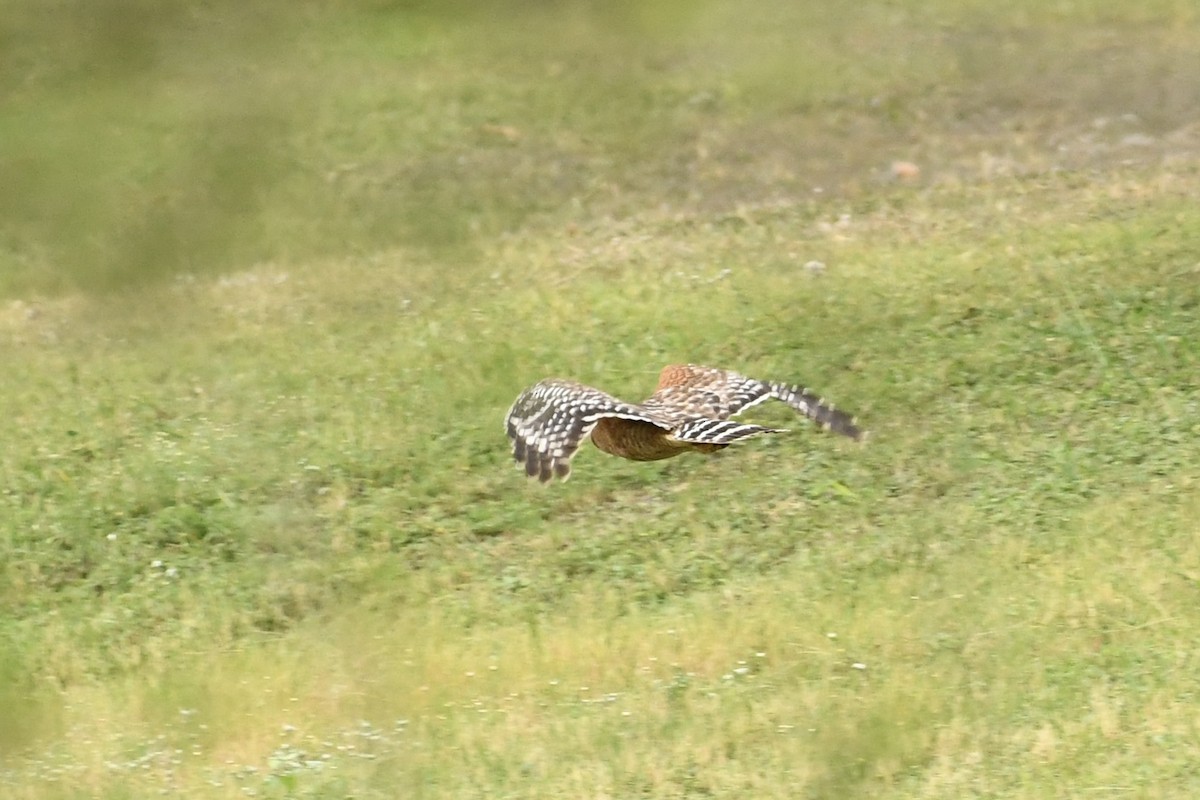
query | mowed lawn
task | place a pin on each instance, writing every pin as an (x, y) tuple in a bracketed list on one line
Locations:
[(272, 277)]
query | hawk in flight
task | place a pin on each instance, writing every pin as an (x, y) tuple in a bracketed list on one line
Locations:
[(691, 409)]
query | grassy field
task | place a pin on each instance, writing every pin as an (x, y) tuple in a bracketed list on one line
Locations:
[(270, 275)]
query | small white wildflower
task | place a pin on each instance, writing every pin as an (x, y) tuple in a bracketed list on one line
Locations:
[(858, 665)]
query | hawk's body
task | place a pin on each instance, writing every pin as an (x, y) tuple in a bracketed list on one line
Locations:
[(690, 410)]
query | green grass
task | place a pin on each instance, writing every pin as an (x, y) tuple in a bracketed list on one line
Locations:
[(259, 529)]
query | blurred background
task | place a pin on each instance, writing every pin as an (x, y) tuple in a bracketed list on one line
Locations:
[(141, 139)]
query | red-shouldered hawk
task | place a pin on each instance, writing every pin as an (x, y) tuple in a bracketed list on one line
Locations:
[(689, 410)]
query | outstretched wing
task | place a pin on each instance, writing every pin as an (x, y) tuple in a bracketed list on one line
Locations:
[(549, 421), (721, 394), (703, 430)]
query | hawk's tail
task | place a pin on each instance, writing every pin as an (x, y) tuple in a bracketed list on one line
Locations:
[(816, 409)]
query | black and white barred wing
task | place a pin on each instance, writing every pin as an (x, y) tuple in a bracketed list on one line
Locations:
[(703, 430), (551, 419)]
